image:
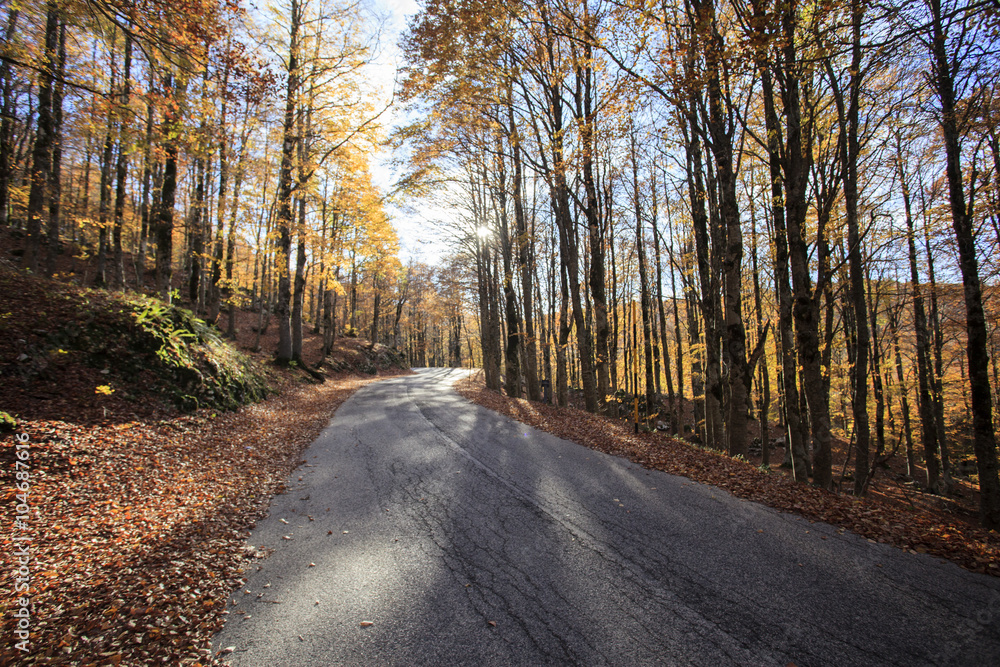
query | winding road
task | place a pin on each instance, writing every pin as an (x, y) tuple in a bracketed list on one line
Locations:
[(425, 530)]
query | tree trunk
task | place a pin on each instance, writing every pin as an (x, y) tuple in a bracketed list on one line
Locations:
[(7, 121), (924, 407), (525, 260), (798, 158), (196, 236), (678, 338), (168, 192), (937, 377), (376, 310), (911, 465), (849, 151), (738, 381), (144, 207), (763, 412), (103, 207), (712, 430), (55, 176), (565, 327), (41, 156), (643, 282), (121, 173), (984, 436), (662, 343), (696, 355), (878, 389), (585, 117), (568, 242), (298, 297), (512, 365), (215, 292), (284, 201), (228, 292)]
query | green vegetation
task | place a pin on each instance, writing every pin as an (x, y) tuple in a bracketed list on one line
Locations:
[(141, 347), (186, 359)]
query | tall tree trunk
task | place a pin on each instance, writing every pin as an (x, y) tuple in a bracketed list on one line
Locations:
[(937, 345), (848, 112), (168, 194), (215, 293), (196, 236), (615, 320), (763, 412), (103, 208), (144, 207), (165, 223), (697, 354), (229, 291), (565, 327), (55, 176), (678, 338), (121, 172), (7, 120), (525, 260), (377, 311), (924, 406), (41, 155), (911, 466), (984, 436), (662, 342), (512, 364), (732, 248), (640, 247), (798, 158), (321, 287), (298, 296), (568, 242), (878, 389), (586, 119), (712, 429), (796, 433), (284, 220)]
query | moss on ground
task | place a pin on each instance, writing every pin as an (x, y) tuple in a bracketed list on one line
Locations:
[(138, 344)]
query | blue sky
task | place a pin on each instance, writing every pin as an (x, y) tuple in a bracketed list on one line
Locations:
[(414, 228)]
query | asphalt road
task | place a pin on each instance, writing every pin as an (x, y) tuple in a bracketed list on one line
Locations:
[(465, 538)]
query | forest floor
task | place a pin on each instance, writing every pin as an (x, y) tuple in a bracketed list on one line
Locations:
[(891, 513), (139, 513)]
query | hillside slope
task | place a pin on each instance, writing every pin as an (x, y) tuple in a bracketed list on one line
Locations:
[(88, 355), (85, 354)]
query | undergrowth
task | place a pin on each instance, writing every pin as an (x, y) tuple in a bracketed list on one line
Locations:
[(138, 345)]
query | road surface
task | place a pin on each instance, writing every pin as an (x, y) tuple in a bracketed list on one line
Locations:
[(444, 534)]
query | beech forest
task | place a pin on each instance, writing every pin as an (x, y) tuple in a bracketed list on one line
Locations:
[(742, 222)]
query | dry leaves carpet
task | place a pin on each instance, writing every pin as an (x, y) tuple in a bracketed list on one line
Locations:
[(138, 528), (917, 531)]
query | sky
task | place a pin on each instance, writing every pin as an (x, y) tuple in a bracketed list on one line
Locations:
[(414, 228)]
